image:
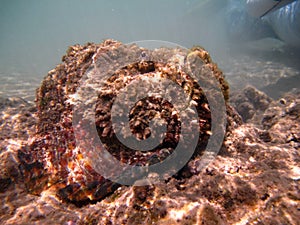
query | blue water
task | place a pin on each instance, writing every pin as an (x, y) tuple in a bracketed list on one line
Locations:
[(35, 34)]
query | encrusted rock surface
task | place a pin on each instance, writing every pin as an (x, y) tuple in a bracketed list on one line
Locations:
[(253, 180), (54, 159), (17, 123), (250, 103)]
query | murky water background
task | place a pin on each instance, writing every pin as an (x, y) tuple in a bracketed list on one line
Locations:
[(35, 35)]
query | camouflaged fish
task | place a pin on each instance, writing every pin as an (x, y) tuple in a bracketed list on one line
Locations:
[(54, 157)]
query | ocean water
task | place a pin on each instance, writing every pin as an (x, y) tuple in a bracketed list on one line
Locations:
[(35, 34)]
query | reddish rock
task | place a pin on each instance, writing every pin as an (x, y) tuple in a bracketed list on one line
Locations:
[(254, 179)]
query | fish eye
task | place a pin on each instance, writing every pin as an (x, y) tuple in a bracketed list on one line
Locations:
[(144, 55)]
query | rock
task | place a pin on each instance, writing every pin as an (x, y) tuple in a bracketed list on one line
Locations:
[(281, 119), (253, 180), (207, 215), (250, 103), (17, 123)]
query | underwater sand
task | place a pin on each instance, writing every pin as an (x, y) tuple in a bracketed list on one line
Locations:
[(272, 72), (18, 85)]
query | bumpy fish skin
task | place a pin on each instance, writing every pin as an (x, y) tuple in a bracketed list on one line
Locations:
[(53, 158)]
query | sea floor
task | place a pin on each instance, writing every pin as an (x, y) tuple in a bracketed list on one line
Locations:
[(275, 73), (19, 85)]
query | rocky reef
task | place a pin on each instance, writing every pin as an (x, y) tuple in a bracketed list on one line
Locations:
[(53, 158), (47, 176)]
